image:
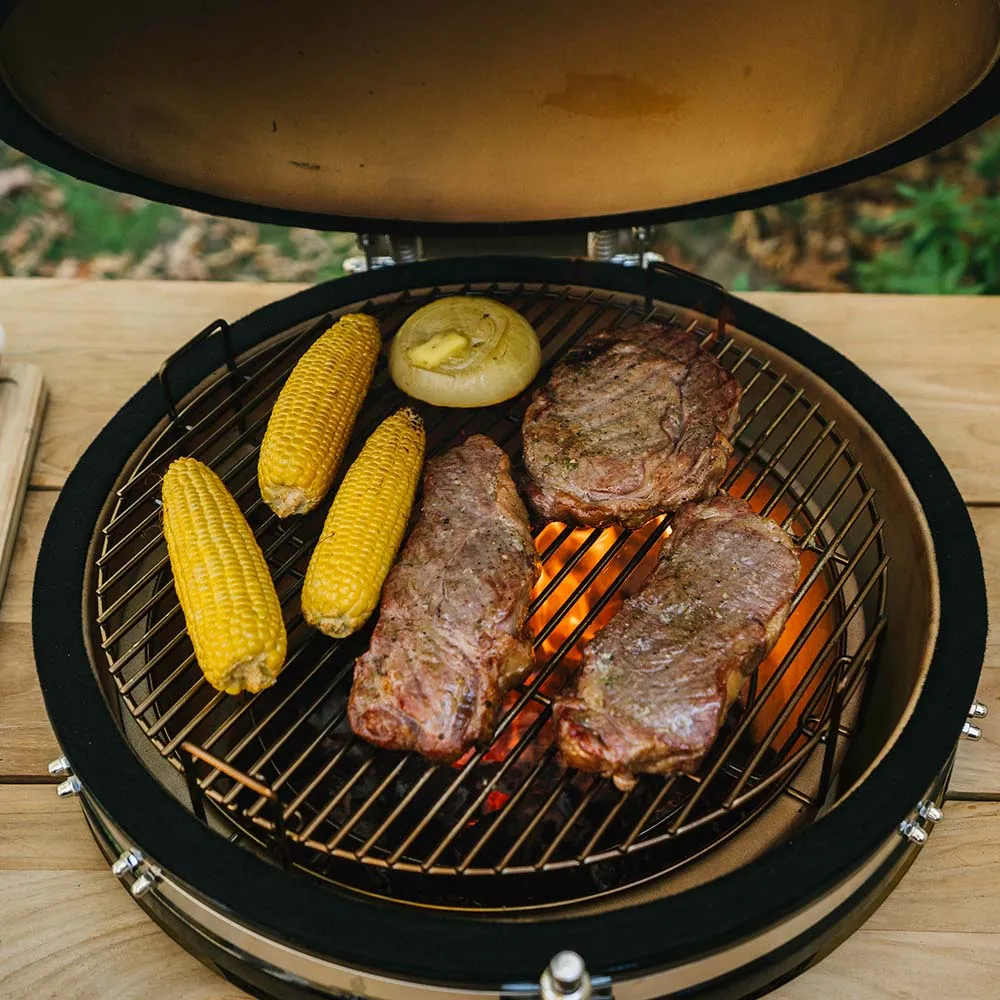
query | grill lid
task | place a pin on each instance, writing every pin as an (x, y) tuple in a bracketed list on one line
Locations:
[(479, 117)]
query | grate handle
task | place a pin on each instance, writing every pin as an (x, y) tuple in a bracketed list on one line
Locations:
[(718, 296), (219, 326), (196, 793), (278, 840)]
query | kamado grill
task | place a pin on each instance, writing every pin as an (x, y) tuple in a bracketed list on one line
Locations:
[(257, 830)]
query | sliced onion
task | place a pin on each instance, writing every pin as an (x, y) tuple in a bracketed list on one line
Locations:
[(464, 351)]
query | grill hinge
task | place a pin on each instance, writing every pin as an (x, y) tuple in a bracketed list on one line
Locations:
[(628, 247)]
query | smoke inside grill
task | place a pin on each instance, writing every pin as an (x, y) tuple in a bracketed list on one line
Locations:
[(283, 767)]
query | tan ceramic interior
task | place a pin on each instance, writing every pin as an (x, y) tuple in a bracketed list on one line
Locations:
[(455, 110)]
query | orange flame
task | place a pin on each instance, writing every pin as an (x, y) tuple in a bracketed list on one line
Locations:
[(571, 608), (590, 594)]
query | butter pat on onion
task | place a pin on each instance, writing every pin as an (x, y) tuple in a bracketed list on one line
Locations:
[(442, 347), (464, 351)]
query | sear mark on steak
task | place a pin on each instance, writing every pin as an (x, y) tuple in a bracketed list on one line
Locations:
[(631, 424), (451, 639), (657, 681)]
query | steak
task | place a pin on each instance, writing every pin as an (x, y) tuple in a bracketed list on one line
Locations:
[(656, 683), (632, 423), (451, 640)]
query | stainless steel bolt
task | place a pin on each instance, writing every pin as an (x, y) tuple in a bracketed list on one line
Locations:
[(913, 833), (356, 264), (71, 786), (565, 978), (567, 970), (930, 812), (143, 884), (971, 732), (978, 710), (126, 862), (59, 766)]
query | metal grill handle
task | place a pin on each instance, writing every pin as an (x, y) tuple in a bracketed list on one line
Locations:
[(219, 326), (717, 293)]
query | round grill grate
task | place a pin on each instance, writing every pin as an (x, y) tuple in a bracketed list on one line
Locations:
[(282, 767)]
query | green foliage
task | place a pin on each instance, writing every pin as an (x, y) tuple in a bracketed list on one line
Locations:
[(742, 282), (987, 164), (103, 222), (937, 214), (106, 224), (947, 244)]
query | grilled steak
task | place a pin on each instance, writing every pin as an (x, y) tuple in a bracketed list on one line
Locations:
[(656, 682), (632, 423), (451, 639)]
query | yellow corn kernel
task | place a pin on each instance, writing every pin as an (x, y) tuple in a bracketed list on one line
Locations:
[(364, 527), (314, 413), (222, 581)]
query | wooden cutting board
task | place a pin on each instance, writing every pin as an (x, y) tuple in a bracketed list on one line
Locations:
[(22, 403)]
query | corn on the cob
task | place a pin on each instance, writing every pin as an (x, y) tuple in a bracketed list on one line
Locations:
[(314, 413), (364, 527), (225, 589)]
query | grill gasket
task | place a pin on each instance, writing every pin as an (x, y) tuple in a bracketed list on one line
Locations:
[(131, 521)]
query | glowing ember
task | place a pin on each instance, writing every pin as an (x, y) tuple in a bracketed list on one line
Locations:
[(568, 604), (518, 729), (495, 800)]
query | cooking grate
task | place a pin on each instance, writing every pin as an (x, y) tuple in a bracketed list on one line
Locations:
[(283, 768)]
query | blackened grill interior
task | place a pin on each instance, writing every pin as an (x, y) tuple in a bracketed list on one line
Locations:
[(508, 826)]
